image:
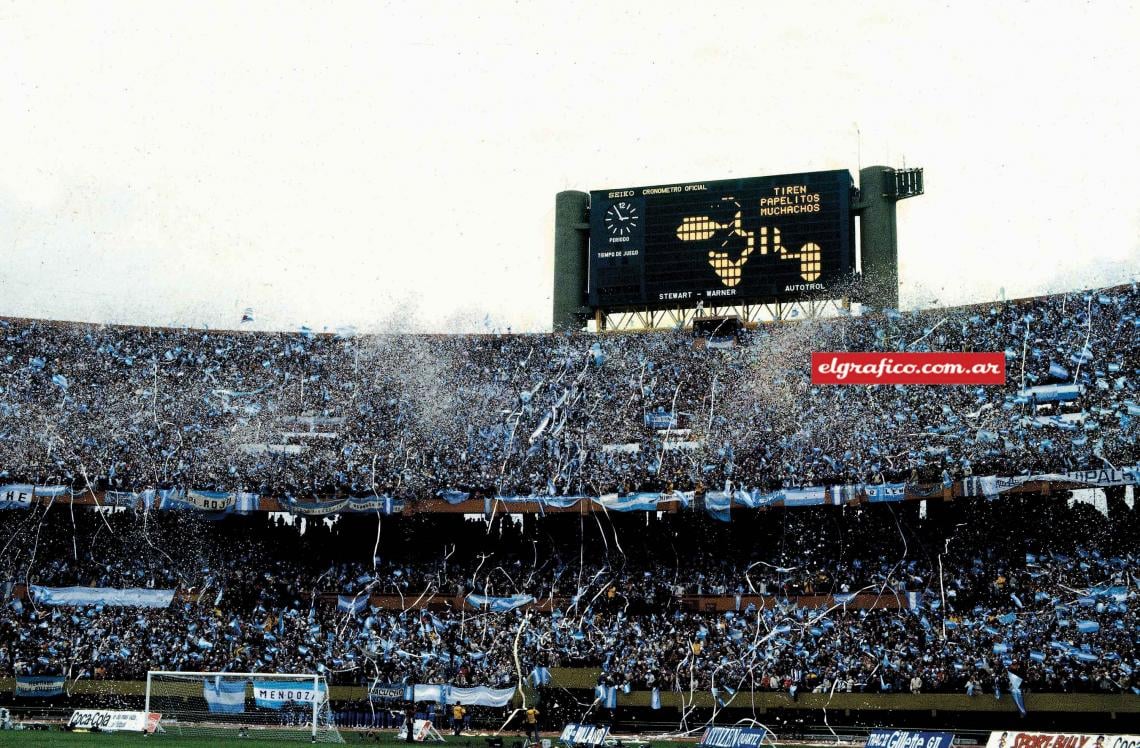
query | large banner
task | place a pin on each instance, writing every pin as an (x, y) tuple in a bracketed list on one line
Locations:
[(441, 693), (480, 696), (755, 499), (129, 499), (807, 496), (113, 721), (718, 505), (386, 692), (129, 597), (218, 502), (909, 739), (275, 694), (203, 501), (39, 686), (224, 696), (318, 508), (19, 495), (633, 502), (498, 604), (883, 492), (992, 485), (587, 736), (1061, 740), (732, 737), (421, 731), (428, 692), (382, 504), (350, 604), (555, 502)]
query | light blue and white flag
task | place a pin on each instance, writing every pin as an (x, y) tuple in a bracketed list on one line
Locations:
[(130, 597), (498, 604), (807, 496), (634, 502), (350, 604), (1015, 691), (453, 496), (39, 686), (718, 504), (540, 676), (435, 693), (224, 696), (479, 696)]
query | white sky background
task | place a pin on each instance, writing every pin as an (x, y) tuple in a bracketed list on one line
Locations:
[(339, 164)]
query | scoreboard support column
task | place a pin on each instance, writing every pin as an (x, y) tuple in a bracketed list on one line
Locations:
[(571, 261), (880, 188)]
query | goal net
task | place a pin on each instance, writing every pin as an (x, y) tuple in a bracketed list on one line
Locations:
[(229, 706)]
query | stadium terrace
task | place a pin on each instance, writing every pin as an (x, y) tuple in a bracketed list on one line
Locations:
[(596, 522), (304, 417)]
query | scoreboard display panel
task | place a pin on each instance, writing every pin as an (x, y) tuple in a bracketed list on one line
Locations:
[(725, 242)]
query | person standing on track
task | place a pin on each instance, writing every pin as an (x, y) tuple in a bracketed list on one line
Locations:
[(457, 715), (410, 721), (532, 723)]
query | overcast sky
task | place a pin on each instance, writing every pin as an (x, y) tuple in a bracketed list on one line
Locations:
[(339, 164)]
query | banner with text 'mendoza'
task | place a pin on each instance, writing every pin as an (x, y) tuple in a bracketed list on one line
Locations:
[(909, 739), (276, 694), (1061, 740)]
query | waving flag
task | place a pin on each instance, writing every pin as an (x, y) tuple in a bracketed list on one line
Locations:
[(224, 696), (1015, 691)]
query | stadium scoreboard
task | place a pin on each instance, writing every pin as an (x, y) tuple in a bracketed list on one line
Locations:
[(725, 242)]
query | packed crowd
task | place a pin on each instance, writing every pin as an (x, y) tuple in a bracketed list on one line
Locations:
[(1030, 584), (303, 415), (176, 550), (1034, 584)]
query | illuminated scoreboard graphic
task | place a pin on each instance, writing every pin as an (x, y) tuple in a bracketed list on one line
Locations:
[(732, 241)]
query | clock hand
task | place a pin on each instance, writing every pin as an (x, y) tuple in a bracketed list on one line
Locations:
[(618, 214)]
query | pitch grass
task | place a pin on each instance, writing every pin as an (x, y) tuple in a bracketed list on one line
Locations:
[(46, 738)]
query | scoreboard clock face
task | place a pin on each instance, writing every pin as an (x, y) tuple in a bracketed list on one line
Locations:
[(779, 238), (622, 218)]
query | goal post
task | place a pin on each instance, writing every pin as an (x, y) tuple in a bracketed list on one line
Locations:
[(268, 706)]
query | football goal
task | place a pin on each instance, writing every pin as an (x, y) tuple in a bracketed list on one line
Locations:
[(266, 706)]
